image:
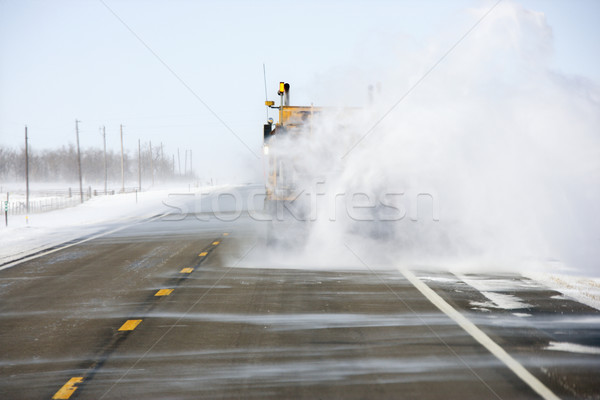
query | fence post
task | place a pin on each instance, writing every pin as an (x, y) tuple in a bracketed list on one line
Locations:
[(6, 210)]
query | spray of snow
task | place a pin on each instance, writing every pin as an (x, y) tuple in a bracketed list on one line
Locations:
[(491, 162)]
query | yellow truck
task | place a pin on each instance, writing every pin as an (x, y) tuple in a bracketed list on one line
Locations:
[(292, 174), (293, 120)]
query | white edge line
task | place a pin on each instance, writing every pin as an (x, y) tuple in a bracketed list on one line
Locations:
[(480, 336), (44, 253)]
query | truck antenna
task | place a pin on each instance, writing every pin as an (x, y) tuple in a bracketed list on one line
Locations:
[(266, 96)]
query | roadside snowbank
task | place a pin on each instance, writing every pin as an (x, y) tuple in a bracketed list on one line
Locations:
[(584, 290), (28, 235)]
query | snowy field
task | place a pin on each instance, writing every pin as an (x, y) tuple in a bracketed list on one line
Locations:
[(30, 234)]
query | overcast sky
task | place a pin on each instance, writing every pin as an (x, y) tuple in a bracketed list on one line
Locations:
[(189, 74)]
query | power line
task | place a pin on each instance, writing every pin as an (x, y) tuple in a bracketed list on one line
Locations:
[(179, 79)]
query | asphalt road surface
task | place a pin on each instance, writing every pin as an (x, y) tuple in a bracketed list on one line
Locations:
[(161, 310)]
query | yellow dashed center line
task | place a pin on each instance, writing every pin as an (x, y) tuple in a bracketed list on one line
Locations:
[(68, 388), (130, 325)]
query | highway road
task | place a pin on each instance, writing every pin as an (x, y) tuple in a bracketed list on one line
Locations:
[(163, 309)]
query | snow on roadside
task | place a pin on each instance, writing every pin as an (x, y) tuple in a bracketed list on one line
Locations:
[(582, 289), (40, 231)]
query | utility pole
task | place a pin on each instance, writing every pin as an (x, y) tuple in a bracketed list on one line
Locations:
[(173, 164), (105, 164), (162, 161), (26, 171), (185, 164), (122, 163), (139, 165), (179, 160), (151, 163), (79, 160)]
